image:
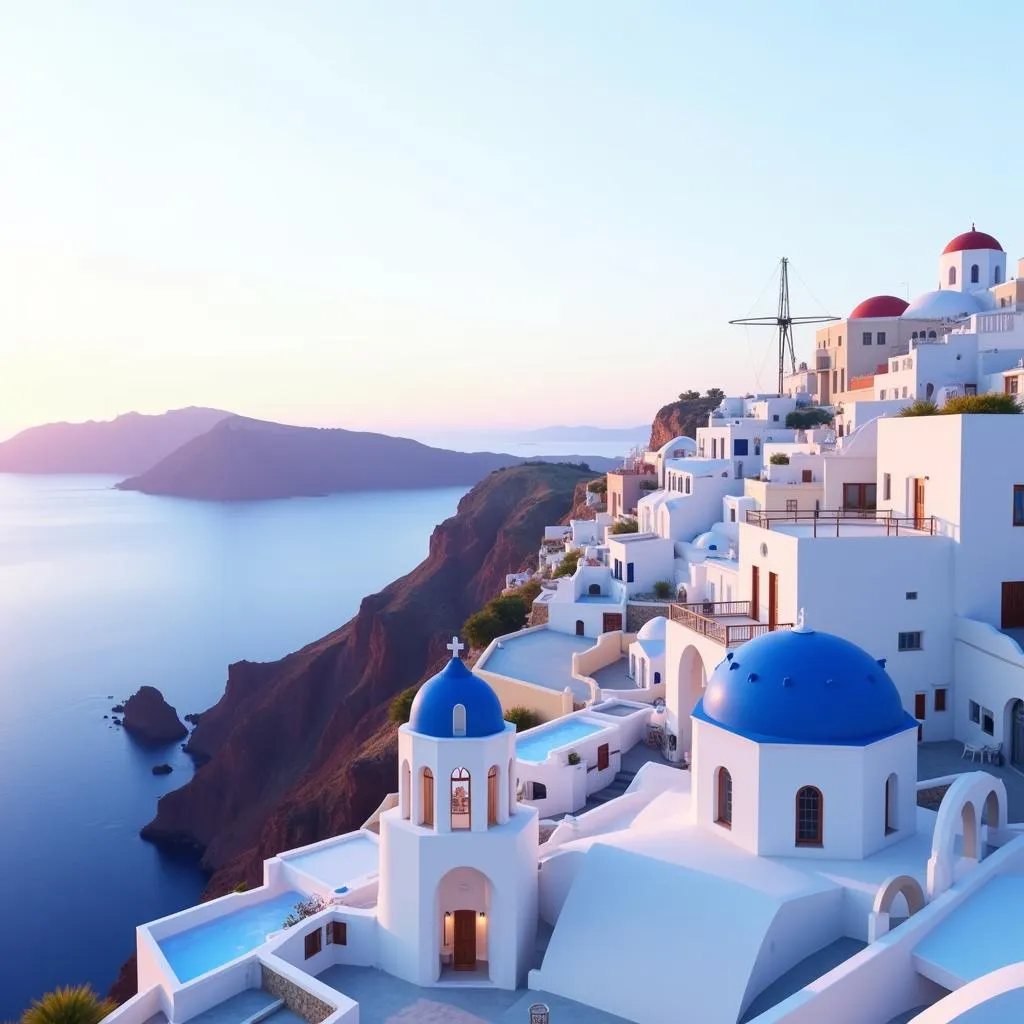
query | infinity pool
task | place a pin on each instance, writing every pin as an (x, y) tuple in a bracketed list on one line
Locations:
[(535, 748), (218, 942)]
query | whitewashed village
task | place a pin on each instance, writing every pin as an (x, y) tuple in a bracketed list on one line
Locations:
[(778, 774)]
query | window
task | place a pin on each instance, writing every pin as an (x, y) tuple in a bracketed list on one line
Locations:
[(920, 706), (914, 336), (312, 943), (757, 446), (974, 711), (657, 678), (881, 395), (904, 391), (791, 504), (940, 698), (427, 799), (740, 446), (880, 337), (840, 341), (911, 595), (987, 722), (997, 275), (835, 380), (732, 515), (687, 484), (842, 378), (723, 799), (974, 273), (1002, 303), (538, 791), (460, 805), (931, 334), (809, 815), (952, 275), (1012, 385), (1018, 504), (910, 641), (859, 496), (459, 720), (629, 572), (337, 933), (886, 482), (492, 795), (775, 418), (580, 628), (891, 804), (806, 476), (617, 573), (866, 337)]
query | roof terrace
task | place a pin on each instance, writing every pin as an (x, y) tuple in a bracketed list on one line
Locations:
[(843, 523), (729, 623)]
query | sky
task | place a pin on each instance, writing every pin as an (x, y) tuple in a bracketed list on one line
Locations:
[(430, 215)]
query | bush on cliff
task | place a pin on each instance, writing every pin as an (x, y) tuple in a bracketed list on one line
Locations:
[(522, 718), (625, 526), (567, 566), (71, 1005), (401, 706), (504, 614)]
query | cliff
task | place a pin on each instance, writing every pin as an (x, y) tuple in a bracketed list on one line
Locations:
[(301, 749), (128, 444), (150, 719), (682, 418), (244, 460)]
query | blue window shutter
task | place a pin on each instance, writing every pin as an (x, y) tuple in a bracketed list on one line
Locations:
[(629, 572)]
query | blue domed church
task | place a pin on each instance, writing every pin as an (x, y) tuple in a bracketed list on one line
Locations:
[(458, 856)]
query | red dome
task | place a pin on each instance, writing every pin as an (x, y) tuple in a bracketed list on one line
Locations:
[(879, 305), (972, 240)]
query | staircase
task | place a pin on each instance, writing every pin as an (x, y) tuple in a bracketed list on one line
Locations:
[(615, 788)]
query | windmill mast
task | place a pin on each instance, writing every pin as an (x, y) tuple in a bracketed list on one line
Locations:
[(783, 322)]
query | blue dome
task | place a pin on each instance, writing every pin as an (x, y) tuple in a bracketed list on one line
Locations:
[(709, 541), (433, 709), (800, 686)]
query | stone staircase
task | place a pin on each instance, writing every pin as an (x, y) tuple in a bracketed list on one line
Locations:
[(615, 788)]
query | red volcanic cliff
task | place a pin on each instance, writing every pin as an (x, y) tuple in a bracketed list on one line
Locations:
[(681, 419)]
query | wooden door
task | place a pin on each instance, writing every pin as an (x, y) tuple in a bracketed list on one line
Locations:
[(918, 503), (1013, 606), (611, 622), (755, 593), (773, 600), (602, 757), (464, 946)]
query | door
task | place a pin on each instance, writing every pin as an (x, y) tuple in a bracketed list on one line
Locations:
[(611, 621), (1017, 734), (464, 947), (755, 593), (602, 757), (773, 600), (918, 504), (1013, 606)]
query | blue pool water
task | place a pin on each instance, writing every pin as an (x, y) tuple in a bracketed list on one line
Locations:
[(536, 748), (218, 942)]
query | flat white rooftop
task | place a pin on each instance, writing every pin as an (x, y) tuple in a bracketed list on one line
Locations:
[(338, 862), (543, 658)]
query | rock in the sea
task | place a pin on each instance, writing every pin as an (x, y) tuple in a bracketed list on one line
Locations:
[(162, 769), (194, 717), (150, 719), (118, 709)]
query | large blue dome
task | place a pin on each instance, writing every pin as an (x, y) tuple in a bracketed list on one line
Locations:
[(433, 709), (801, 686)]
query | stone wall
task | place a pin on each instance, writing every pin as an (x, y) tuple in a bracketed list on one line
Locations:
[(296, 998), (538, 615), (638, 613)]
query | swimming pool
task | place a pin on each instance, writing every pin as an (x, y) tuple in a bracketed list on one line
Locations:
[(616, 710), (220, 941), (535, 748)]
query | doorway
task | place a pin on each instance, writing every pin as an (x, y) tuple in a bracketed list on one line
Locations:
[(773, 600), (464, 944), (1013, 606), (1017, 734), (755, 593), (918, 503), (579, 627), (611, 622)]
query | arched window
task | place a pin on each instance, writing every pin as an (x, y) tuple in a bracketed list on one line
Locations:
[(952, 275), (460, 804), (427, 798), (914, 335), (459, 720), (594, 590), (931, 334), (974, 273), (579, 627), (492, 795), (405, 789), (810, 816), (997, 275), (723, 798), (891, 808), (757, 446), (657, 678)]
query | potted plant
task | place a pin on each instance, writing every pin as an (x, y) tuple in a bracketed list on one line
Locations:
[(573, 757)]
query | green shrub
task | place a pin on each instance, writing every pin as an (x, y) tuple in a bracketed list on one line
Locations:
[(919, 408), (567, 566), (241, 887), (625, 526), (997, 403), (573, 757), (522, 718), (779, 459), (505, 614), (71, 1005), (599, 486), (805, 419), (402, 705), (529, 592), (663, 589)]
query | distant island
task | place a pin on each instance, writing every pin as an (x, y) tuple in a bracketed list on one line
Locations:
[(128, 444)]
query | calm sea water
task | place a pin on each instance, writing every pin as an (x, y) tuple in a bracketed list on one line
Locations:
[(100, 592)]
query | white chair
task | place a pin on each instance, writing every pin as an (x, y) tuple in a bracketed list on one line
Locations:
[(973, 752)]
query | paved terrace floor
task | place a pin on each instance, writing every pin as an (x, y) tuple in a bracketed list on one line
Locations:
[(386, 1000), (614, 676), (935, 760), (544, 658)]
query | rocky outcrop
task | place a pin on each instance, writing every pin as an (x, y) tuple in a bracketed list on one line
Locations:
[(150, 719), (301, 749), (681, 419)]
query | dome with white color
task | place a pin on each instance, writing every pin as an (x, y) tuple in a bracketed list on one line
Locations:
[(653, 629), (948, 304)]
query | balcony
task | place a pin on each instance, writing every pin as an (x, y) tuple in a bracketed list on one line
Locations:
[(712, 619), (849, 522)]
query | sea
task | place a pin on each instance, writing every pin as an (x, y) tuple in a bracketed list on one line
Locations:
[(102, 591)]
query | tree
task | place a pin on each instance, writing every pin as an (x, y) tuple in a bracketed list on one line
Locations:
[(401, 706), (992, 403), (805, 419), (305, 908), (688, 396), (522, 717), (716, 393), (482, 627), (921, 407), (504, 614), (567, 566), (625, 526), (70, 1005), (599, 486), (779, 459)]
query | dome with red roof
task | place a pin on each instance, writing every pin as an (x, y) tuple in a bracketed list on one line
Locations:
[(879, 305), (972, 240)]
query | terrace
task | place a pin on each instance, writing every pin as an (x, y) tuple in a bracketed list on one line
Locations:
[(844, 522), (729, 623)]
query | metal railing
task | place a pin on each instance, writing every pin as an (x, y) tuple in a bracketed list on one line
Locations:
[(829, 522), (706, 618)]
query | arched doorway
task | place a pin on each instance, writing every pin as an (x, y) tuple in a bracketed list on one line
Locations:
[(1016, 731), (969, 824), (687, 689), (463, 907)]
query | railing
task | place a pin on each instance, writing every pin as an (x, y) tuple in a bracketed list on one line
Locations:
[(704, 622), (828, 522)]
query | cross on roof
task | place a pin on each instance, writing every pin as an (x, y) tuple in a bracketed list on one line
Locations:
[(455, 646)]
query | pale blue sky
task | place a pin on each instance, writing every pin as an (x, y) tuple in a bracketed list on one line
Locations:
[(437, 215)]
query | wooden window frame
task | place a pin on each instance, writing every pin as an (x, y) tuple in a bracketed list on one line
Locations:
[(337, 933), (920, 705), (312, 943), (939, 701), (427, 798), (603, 757), (723, 798), (492, 795), (818, 841)]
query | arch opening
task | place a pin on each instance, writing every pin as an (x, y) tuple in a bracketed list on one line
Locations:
[(463, 912), (405, 790), (810, 816), (723, 797), (427, 798), (891, 804), (492, 795), (461, 806), (683, 693)]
